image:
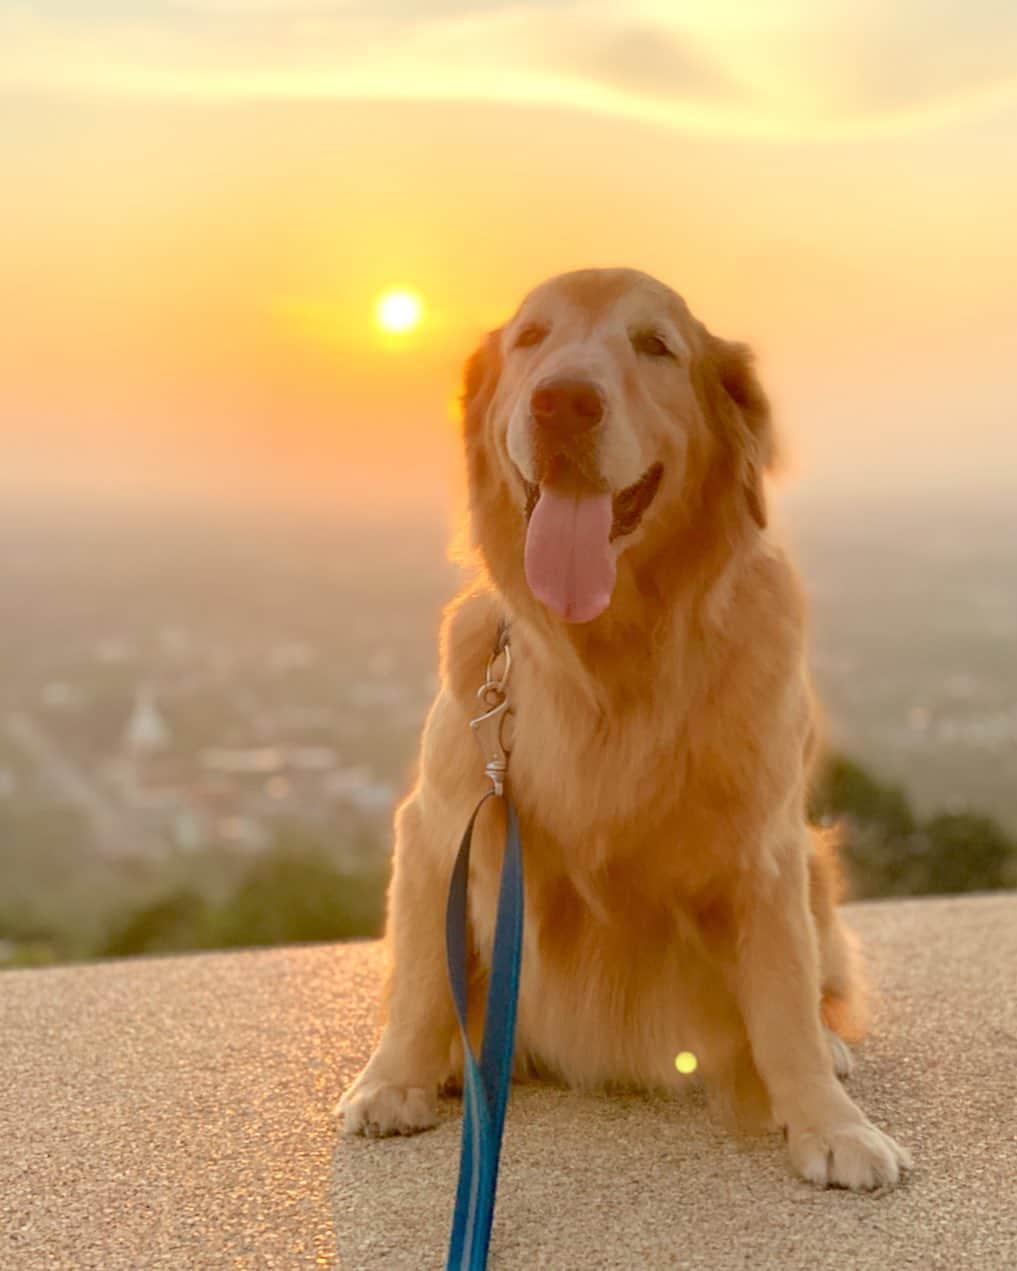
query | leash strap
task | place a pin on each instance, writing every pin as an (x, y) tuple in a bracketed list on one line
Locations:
[(485, 1083)]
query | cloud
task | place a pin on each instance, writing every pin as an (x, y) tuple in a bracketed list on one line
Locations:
[(923, 52), (407, 10), (651, 62), (782, 68)]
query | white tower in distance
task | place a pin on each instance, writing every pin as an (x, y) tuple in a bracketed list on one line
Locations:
[(147, 731)]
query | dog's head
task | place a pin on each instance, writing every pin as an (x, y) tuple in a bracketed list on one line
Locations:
[(600, 422)]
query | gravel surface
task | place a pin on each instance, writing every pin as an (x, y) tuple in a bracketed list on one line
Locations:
[(174, 1113)]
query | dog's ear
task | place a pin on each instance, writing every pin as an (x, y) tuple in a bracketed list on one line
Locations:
[(737, 409), (480, 379)]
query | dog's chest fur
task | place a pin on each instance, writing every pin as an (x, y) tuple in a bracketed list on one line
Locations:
[(627, 918)]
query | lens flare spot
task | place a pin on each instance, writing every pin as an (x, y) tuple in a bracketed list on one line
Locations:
[(686, 1062), (398, 311)]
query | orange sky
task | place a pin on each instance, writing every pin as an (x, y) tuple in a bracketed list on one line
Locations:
[(204, 198)]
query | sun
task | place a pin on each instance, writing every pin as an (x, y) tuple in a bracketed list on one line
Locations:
[(398, 311)]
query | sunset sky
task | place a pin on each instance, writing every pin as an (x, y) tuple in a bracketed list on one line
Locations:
[(203, 201)]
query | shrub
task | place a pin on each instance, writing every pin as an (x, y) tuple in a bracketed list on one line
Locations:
[(290, 894), (889, 852)]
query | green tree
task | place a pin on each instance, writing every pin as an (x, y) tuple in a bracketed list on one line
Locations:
[(291, 893), (845, 788), (170, 924), (967, 853), (889, 852), (294, 893)]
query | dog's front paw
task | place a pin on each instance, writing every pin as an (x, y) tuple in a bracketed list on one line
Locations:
[(851, 1154), (378, 1108)]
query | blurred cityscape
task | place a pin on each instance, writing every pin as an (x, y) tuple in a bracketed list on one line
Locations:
[(179, 689), (176, 689)]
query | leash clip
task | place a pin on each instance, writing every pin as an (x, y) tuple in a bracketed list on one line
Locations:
[(489, 727)]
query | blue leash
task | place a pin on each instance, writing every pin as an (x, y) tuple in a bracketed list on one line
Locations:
[(485, 1084)]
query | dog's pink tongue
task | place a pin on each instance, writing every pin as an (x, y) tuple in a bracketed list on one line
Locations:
[(569, 562)]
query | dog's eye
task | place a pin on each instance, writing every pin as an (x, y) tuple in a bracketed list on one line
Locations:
[(650, 344), (530, 335)]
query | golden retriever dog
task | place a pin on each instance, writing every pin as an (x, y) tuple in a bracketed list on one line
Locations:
[(676, 898)]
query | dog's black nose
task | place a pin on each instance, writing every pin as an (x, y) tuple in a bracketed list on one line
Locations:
[(568, 406)]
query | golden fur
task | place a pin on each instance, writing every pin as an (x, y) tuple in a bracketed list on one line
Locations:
[(675, 897)]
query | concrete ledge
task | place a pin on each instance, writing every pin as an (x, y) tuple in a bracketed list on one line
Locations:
[(174, 1113)]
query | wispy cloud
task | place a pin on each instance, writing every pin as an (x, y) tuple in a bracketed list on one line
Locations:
[(779, 68), (648, 62)]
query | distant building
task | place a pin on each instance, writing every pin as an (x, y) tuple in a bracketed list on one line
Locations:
[(147, 731), (58, 694), (242, 760), (358, 787), (190, 833)]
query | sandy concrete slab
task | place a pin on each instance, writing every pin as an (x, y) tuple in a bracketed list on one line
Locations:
[(174, 1113)]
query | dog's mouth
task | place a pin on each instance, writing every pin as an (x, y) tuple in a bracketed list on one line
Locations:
[(571, 526), (628, 506)]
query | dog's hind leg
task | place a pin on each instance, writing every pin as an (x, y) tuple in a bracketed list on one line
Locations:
[(844, 1006)]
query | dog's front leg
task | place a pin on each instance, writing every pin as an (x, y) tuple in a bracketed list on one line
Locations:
[(778, 982), (396, 1093)]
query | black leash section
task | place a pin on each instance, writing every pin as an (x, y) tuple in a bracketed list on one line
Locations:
[(486, 1083)]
